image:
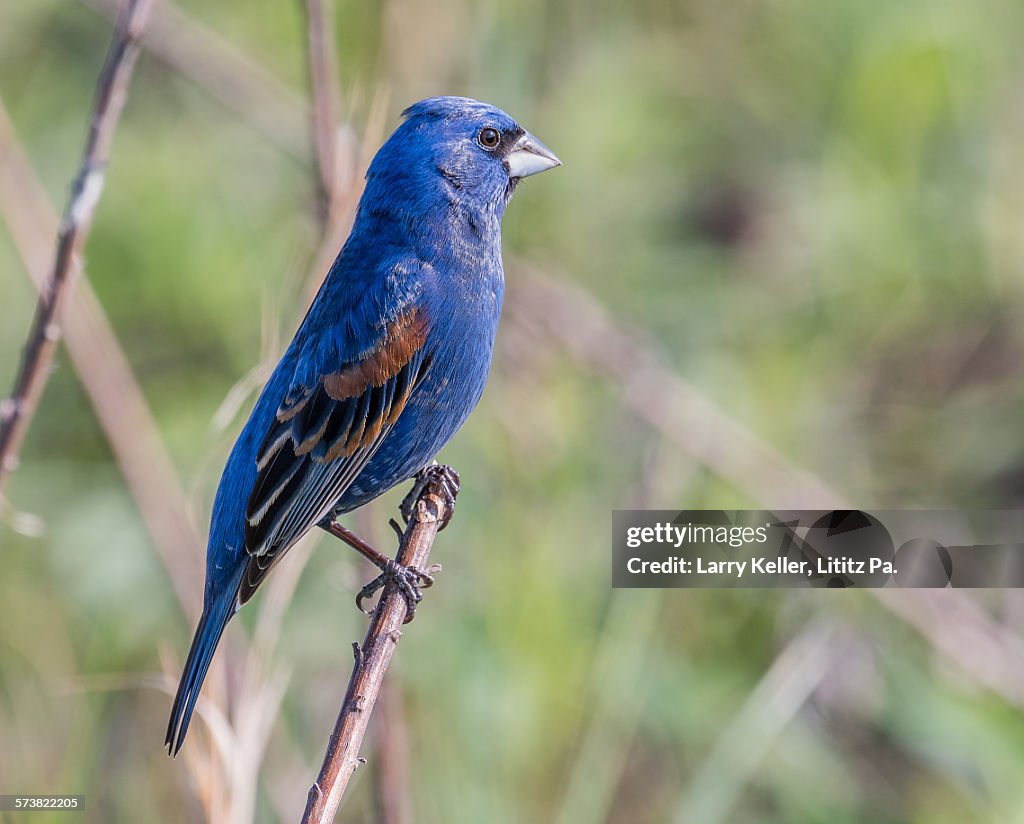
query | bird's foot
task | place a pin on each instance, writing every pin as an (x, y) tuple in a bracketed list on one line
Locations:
[(445, 480), (410, 581), (437, 480)]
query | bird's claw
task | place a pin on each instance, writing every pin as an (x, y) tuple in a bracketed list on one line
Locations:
[(410, 581), (447, 483), (408, 506)]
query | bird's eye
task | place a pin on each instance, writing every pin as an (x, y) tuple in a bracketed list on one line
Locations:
[(489, 138)]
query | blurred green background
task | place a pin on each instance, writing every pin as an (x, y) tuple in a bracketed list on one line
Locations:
[(811, 212)]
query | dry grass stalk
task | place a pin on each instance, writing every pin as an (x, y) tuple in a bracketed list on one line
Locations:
[(108, 103), (237, 81), (372, 659), (323, 81), (107, 377)]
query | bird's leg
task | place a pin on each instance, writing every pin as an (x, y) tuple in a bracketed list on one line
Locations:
[(378, 559), (410, 581), (447, 480)]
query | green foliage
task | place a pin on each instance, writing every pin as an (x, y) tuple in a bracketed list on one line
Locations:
[(811, 210)]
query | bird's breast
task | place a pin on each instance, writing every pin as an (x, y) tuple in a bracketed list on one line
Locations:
[(460, 352)]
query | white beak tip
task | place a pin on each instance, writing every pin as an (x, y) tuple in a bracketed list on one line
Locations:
[(529, 157)]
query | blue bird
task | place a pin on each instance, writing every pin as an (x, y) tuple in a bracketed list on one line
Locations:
[(389, 361)]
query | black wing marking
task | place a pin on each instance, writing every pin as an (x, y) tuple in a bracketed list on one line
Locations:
[(322, 438)]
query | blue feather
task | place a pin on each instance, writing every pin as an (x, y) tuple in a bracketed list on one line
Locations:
[(389, 361)]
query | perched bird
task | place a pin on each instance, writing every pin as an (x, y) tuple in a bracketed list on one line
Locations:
[(389, 361)]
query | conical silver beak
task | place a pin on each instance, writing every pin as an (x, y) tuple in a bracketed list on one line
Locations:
[(529, 157)]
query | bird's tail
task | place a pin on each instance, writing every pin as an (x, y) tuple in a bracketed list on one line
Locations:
[(215, 617)]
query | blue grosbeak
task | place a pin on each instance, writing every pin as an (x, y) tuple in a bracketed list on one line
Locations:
[(388, 363)]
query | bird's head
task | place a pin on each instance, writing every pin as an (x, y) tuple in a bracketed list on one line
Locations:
[(461, 150)]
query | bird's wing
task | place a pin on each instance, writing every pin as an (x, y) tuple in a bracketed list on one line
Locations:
[(323, 435)]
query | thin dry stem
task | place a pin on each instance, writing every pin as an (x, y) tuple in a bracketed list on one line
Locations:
[(107, 377), (239, 82), (323, 81), (390, 734), (372, 659), (111, 92), (339, 190), (346, 195), (150, 477)]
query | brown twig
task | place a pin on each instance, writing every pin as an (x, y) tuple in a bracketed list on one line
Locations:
[(150, 477), (269, 105), (107, 377), (111, 91), (339, 188), (237, 81), (390, 735), (372, 659), (149, 474)]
